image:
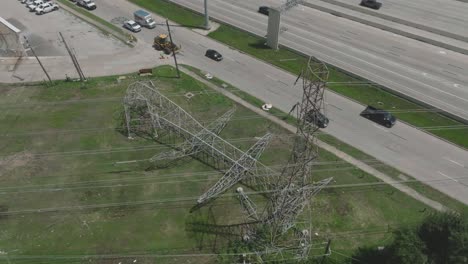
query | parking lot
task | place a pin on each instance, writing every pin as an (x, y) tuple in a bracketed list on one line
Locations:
[(43, 32)]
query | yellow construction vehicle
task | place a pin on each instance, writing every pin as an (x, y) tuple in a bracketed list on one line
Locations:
[(162, 42)]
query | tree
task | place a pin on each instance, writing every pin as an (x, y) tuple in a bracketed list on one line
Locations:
[(407, 248), (446, 238)]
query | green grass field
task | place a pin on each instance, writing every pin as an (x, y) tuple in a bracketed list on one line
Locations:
[(62, 196), (410, 112)]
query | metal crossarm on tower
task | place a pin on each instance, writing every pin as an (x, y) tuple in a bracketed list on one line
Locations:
[(245, 164), (192, 146), (289, 203), (247, 204)]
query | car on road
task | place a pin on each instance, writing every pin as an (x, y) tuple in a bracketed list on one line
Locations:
[(88, 4), (213, 54), (371, 4), (132, 26), (317, 118), (264, 10), (379, 116), (46, 8)]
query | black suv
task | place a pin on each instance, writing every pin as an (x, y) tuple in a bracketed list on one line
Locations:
[(264, 10), (213, 54), (379, 116), (371, 4), (317, 118)]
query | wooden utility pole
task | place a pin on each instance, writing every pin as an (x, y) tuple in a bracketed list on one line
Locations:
[(173, 48), (327, 252), (37, 58), (73, 58)]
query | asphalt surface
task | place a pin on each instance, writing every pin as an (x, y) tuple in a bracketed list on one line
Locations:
[(446, 15), (43, 32), (430, 74), (439, 164)]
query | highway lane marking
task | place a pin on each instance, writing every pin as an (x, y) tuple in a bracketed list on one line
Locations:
[(270, 77), (459, 164), (446, 176), (392, 53), (380, 127), (450, 72), (396, 135), (455, 66), (334, 106)]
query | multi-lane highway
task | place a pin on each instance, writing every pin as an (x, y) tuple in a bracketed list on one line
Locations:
[(446, 15), (425, 72), (416, 153)]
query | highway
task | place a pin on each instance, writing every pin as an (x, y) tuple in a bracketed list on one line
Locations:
[(439, 164), (422, 71), (446, 15)]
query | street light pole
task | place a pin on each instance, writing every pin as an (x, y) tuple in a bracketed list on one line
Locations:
[(207, 16)]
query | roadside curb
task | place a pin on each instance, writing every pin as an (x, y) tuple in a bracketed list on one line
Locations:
[(98, 25), (359, 164)]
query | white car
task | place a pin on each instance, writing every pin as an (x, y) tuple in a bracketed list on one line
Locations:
[(46, 8), (27, 2), (32, 7), (88, 4), (132, 26)]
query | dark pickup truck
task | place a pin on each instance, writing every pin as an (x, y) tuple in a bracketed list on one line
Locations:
[(379, 116), (371, 4)]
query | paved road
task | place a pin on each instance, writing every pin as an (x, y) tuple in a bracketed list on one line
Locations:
[(430, 74), (440, 164), (447, 15)]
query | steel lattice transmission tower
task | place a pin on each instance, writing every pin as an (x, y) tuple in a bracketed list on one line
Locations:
[(297, 186), (154, 112)]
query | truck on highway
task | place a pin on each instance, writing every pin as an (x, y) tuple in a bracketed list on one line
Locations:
[(144, 19)]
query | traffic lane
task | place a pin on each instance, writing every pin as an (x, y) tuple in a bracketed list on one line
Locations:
[(429, 90), (452, 17), (415, 57), (413, 152), (454, 101)]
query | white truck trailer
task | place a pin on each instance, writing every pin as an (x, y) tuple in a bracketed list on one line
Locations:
[(144, 19)]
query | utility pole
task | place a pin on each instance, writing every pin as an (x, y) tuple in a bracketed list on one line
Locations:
[(207, 16), (40, 63), (73, 58), (327, 252), (173, 48)]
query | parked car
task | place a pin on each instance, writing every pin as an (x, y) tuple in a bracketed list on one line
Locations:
[(132, 26), (213, 54), (371, 4), (27, 2), (264, 10), (32, 7), (379, 116), (46, 8), (88, 4), (317, 118)]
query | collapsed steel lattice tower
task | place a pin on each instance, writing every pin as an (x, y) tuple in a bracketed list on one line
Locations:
[(154, 112)]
